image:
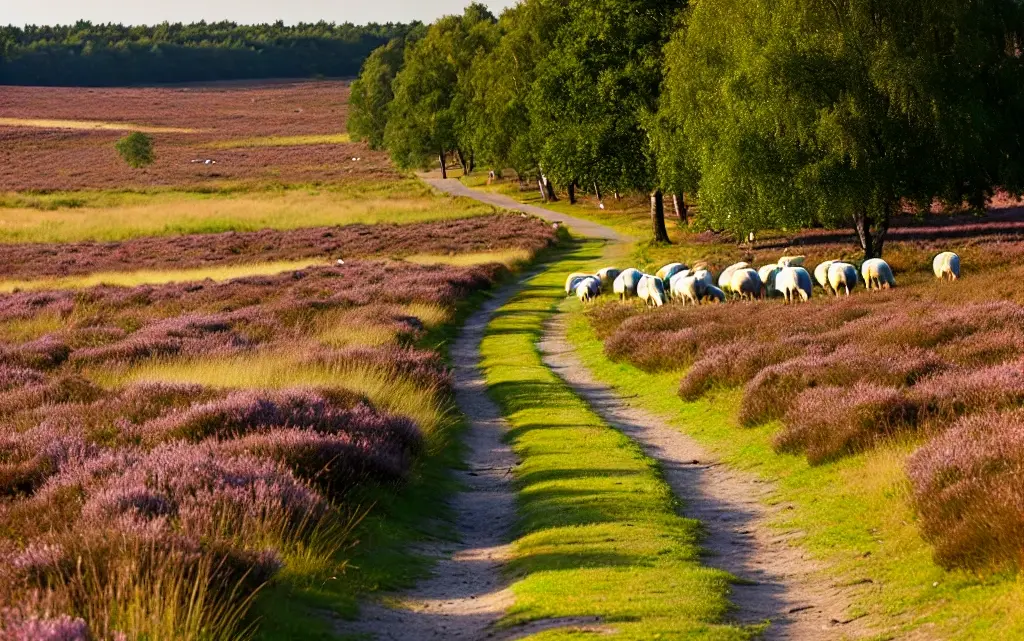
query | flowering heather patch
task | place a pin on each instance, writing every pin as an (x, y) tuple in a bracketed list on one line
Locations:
[(829, 421), (17, 627), (112, 489), (460, 236), (969, 489)]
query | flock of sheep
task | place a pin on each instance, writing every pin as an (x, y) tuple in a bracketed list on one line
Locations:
[(786, 279)]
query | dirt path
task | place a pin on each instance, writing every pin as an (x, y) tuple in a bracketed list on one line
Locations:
[(466, 594), (780, 584)]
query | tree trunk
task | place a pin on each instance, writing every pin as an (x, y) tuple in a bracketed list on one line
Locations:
[(444, 166), (597, 191), (572, 192), (543, 191), (679, 204), (617, 196), (550, 188), (472, 162), (871, 233), (658, 217), (462, 161)]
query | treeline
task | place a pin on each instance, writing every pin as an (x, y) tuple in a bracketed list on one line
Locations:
[(771, 113), (86, 54)]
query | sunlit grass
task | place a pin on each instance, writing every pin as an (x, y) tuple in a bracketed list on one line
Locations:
[(510, 257), (23, 330), (116, 215), (159, 277), (43, 123), (284, 369), (281, 141)]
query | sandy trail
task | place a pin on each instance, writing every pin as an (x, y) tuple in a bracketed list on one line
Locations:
[(466, 594), (780, 584)]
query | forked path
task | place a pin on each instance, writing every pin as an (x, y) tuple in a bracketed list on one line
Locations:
[(778, 583), (466, 594)]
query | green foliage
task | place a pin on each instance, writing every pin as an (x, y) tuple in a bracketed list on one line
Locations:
[(136, 149), (802, 112), (113, 54), (372, 94), (602, 75), (428, 114)]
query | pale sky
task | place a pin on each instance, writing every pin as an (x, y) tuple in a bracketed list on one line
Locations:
[(40, 12)]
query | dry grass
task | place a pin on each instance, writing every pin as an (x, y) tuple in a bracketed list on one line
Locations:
[(281, 141), (510, 257), (90, 125), (284, 369), (172, 213), (158, 277)]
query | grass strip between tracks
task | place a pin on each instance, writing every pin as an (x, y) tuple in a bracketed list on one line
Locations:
[(598, 531)]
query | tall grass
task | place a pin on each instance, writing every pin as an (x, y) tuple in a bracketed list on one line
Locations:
[(281, 141)]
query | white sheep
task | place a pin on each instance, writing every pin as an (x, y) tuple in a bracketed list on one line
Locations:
[(768, 274), (572, 281), (877, 274), (842, 276), (821, 275), (670, 270), (588, 289), (725, 278), (704, 279), (651, 291), (793, 282), (608, 276), (792, 261), (715, 294), (946, 264), (746, 283), (686, 289), (626, 283)]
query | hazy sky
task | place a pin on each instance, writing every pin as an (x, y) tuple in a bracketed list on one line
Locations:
[(22, 12)]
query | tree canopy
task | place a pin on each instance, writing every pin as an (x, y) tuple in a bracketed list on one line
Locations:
[(111, 54), (800, 112), (772, 114)]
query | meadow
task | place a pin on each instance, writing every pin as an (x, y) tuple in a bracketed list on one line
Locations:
[(222, 386)]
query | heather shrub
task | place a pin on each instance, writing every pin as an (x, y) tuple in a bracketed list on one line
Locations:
[(989, 347), (731, 365), (829, 421), (968, 486), (946, 396)]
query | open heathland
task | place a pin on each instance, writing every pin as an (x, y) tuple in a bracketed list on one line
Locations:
[(167, 450), (277, 132), (447, 237)]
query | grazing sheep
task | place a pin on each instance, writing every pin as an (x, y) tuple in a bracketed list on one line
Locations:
[(608, 276), (626, 283), (572, 281), (704, 279), (793, 282), (725, 278), (588, 289), (715, 294), (687, 289), (670, 270), (877, 274), (746, 284), (946, 264), (842, 276), (768, 274), (792, 261), (651, 290), (821, 275)]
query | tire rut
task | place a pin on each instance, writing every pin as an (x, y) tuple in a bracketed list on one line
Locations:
[(778, 582)]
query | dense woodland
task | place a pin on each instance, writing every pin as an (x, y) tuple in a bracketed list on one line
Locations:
[(771, 114), (86, 54)]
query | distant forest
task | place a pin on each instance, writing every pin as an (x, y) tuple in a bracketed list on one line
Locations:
[(87, 54)]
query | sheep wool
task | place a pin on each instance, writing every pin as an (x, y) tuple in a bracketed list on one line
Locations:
[(746, 283), (626, 283), (842, 277), (651, 290), (794, 283), (821, 274), (588, 289), (725, 279), (946, 266), (607, 277), (877, 274), (572, 281)]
